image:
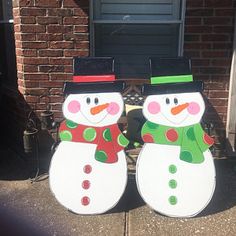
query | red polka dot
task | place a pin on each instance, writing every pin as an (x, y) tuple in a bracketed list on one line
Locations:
[(148, 138), (208, 140), (85, 184), (172, 135), (87, 169), (85, 201)]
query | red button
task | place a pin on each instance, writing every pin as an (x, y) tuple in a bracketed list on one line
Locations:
[(87, 169), (85, 200), (86, 184)]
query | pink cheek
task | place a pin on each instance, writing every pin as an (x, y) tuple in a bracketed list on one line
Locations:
[(154, 107), (73, 106), (113, 108), (193, 108)]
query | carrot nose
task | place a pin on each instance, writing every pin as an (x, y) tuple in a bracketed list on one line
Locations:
[(98, 109), (176, 110)]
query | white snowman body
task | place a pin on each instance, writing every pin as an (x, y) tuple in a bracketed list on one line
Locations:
[(79, 182), (167, 184)]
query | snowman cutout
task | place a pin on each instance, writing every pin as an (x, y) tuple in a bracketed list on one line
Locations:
[(175, 172), (88, 172)]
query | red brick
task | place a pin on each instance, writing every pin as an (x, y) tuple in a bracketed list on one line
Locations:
[(193, 20), (28, 37), (82, 45), (215, 86), (217, 20), (35, 61), (223, 29), (75, 20), (19, 52), (223, 46), (31, 84), (50, 53), (17, 20), (17, 28), (212, 70), (198, 29), (30, 68), (25, 3), (62, 45), (36, 91), (36, 76), (80, 29), (29, 52), (200, 62), (27, 20), (200, 12), (59, 29), (214, 54), (189, 45), (61, 77), (224, 78), (56, 91), (194, 3), (47, 3), (81, 12), (34, 45), (74, 36), (16, 12), (55, 99), (33, 28), (32, 99), (192, 53), (25, 11), (75, 53), (60, 12), (191, 38), (224, 12), (60, 61), (46, 20), (56, 107), (49, 37), (219, 102), (68, 69), (218, 3), (49, 68), (70, 3), (51, 84), (221, 62), (215, 37)]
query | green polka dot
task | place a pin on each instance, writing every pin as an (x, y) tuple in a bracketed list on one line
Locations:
[(186, 156), (101, 156), (172, 169), (70, 124), (122, 140), (173, 200), (172, 183), (107, 135), (65, 135), (190, 134), (151, 125), (89, 134)]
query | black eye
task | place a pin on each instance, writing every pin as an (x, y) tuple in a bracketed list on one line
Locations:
[(175, 101), (88, 100), (96, 101), (167, 101)]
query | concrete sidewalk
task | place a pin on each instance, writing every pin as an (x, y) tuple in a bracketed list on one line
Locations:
[(30, 209)]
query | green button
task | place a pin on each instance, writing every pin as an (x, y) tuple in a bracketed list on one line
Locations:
[(173, 200), (172, 169), (172, 183)]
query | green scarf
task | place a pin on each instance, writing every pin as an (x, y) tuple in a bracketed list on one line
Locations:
[(193, 141)]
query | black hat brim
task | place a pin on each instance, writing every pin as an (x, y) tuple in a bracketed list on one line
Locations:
[(93, 87), (185, 87)]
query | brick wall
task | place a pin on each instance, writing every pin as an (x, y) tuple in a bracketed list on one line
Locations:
[(209, 29), (49, 33)]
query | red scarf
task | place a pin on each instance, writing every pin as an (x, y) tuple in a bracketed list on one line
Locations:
[(109, 139)]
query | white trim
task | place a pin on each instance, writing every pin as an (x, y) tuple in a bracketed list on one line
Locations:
[(231, 114)]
